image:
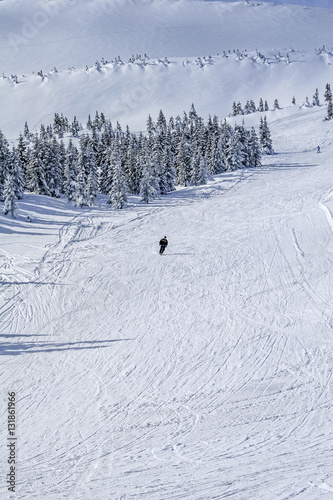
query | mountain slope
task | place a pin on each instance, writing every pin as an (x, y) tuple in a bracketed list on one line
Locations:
[(204, 373)]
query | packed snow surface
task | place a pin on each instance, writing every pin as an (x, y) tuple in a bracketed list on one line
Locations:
[(204, 373)]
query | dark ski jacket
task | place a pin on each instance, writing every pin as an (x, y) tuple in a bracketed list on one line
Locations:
[(163, 242)]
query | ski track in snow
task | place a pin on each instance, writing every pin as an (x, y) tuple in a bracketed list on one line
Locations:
[(204, 373)]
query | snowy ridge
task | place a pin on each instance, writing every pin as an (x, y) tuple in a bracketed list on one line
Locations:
[(125, 91), (72, 37)]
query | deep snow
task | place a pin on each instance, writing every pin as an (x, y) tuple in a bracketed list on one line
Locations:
[(201, 374)]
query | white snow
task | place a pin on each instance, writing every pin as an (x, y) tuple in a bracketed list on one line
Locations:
[(204, 373)]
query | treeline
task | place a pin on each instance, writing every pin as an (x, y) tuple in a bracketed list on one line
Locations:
[(104, 159), (250, 106)]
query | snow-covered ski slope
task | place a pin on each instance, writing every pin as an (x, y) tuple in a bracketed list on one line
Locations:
[(204, 373), (201, 374), (70, 36)]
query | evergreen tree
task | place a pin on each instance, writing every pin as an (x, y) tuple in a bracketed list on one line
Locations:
[(26, 132), (91, 169), (83, 170), (316, 101), (168, 174), (328, 93), (235, 152), (199, 169), (183, 158), (254, 150), (89, 124), (261, 105), (148, 189), (244, 138), (328, 99), (118, 192), (329, 115), (252, 106), (75, 127), (16, 171), (36, 173), (9, 196), (23, 154), (265, 137), (70, 172), (276, 104), (131, 167), (52, 167), (247, 108), (4, 167)]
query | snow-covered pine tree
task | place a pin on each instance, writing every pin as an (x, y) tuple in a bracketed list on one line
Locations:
[(193, 118), (53, 169), (23, 154), (213, 154), (316, 101), (57, 126), (148, 190), (83, 170), (183, 157), (150, 132), (36, 173), (75, 127), (261, 105), (265, 137), (26, 132), (329, 115), (328, 99), (4, 160), (328, 93), (254, 149), (239, 110), (168, 177), (70, 172), (235, 153), (276, 104), (89, 123), (15, 169), (247, 108), (118, 192), (49, 132), (244, 137), (42, 133), (10, 206), (199, 169), (97, 122), (131, 167), (91, 169)]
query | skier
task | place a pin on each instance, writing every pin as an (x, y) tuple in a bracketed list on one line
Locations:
[(163, 244), (318, 149)]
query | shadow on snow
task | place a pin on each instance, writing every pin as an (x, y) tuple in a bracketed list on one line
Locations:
[(11, 349)]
